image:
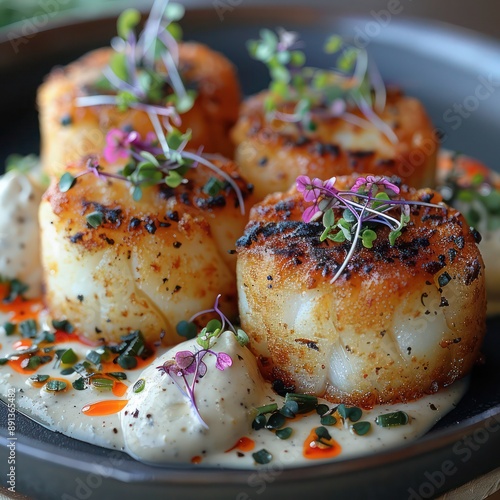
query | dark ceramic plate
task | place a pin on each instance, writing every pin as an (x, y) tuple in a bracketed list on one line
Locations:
[(457, 76)]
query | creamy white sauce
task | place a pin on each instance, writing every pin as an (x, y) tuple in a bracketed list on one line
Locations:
[(158, 425), (20, 197)]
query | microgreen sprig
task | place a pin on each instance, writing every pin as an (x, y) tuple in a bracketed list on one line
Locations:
[(478, 194), (188, 367), (148, 164), (143, 71), (318, 92), (370, 201)]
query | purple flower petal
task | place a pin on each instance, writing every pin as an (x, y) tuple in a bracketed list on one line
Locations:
[(309, 213), (184, 360), (360, 182), (223, 361), (302, 182)]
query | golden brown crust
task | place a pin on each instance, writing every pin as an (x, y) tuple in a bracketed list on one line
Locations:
[(272, 155), (214, 113), (150, 264), (373, 322)]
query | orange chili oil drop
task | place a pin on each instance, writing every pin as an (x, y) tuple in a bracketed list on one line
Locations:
[(101, 408), (314, 452), (243, 444), (196, 460), (20, 309), (15, 364), (119, 389)]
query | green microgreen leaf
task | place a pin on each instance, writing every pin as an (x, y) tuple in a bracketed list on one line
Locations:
[(322, 409), (22, 164), (67, 371), (127, 22), (290, 409), (66, 182), (173, 179), (333, 44), (322, 433), (368, 236)]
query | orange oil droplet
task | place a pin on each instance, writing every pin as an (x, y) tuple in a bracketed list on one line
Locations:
[(313, 452), (15, 364), (243, 444), (119, 389), (196, 460), (101, 408), (19, 345), (20, 309)]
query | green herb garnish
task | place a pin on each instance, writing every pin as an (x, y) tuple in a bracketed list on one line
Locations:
[(284, 433), (28, 328), (55, 385), (361, 428), (262, 457), (9, 328), (139, 386), (63, 325)]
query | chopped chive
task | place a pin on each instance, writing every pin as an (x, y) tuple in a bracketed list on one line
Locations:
[(39, 378), (102, 383), (139, 386), (3, 361), (352, 413), (67, 371), (394, 419), (28, 328), (322, 409), (361, 428), (262, 457), (68, 357), (31, 363), (186, 329), (127, 362), (16, 289), (284, 433), (48, 337), (290, 409), (9, 328), (275, 421), (259, 422), (117, 375), (328, 420), (94, 219), (322, 433), (55, 385), (306, 402), (267, 408), (94, 357), (79, 384), (63, 325)]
